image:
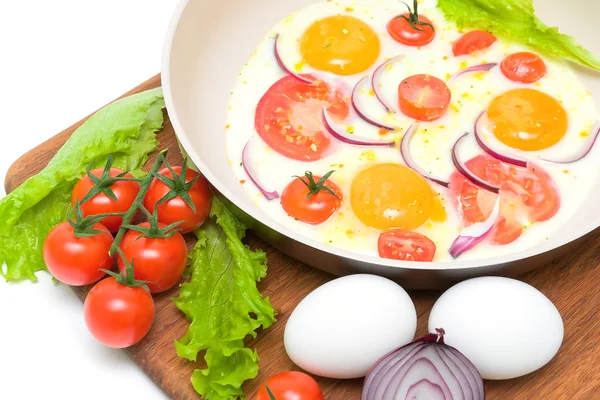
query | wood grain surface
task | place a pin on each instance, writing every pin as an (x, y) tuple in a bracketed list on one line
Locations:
[(572, 284)]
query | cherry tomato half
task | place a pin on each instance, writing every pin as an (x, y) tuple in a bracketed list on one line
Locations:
[(116, 315), (160, 261), (125, 192), (404, 245), (402, 31), (289, 117), (77, 261), (291, 385), (473, 41), (313, 209), (523, 67), (177, 209), (423, 97)]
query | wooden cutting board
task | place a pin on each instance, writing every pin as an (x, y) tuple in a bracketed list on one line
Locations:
[(572, 284)]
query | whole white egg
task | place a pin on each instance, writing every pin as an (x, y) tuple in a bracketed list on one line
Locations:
[(506, 327), (342, 328)]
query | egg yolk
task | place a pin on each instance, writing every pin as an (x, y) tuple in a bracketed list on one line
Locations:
[(389, 196), (527, 119), (340, 44)]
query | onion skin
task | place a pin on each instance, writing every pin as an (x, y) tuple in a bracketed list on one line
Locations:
[(340, 134), (496, 154), (410, 161), (285, 67), (476, 68), (585, 150), (377, 78), (426, 367), (462, 168), (361, 111), (474, 234), (248, 167)]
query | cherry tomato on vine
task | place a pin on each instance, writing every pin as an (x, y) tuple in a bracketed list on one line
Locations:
[(411, 28), (117, 315), (404, 245), (184, 193), (77, 261), (291, 385), (311, 199), (160, 261), (473, 41), (125, 193)]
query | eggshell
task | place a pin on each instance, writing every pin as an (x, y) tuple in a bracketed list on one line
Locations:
[(507, 328), (343, 327)]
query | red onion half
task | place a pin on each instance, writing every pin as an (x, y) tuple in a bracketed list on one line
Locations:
[(476, 68), (410, 161), (462, 168), (377, 84), (474, 234), (583, 152), (482, 125), (424, 369), (358, 102), (249, 168), (286, 67), (339, 132)]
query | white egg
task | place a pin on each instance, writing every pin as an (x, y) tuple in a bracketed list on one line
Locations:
[(342, 328), (507, 328)]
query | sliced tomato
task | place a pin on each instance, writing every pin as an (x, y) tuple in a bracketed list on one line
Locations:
[(523, 67), (473, 41), (423, 97), (289, 117), (527, 195), (404, 245), (401, 30)]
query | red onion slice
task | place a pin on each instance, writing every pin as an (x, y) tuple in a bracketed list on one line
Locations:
[(339, 132), (286, 67), (424, 369), (410, 161), (583, 152), (249, 168), (360, 107), (482, 125), (476, 68), (462, 168), (474, 234), (376, 82)]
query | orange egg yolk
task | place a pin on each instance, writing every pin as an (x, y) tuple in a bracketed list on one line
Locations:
[(389, 196), (527, 119), (340, 44)]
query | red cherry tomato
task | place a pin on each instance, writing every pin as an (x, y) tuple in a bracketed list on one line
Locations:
[(291, 385), (161, 261), (116, 315), (125, 192), (423, 97), (77, 261), (473, 41), (289, 117), (398, 244), (527, 195), (523, 67), (177, 209), (313, 209), (401, 31)]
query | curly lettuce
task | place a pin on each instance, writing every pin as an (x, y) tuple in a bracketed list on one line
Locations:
[(515, 20), (125, 128), (223, 305)]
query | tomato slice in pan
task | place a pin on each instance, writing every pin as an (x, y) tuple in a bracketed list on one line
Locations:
[(423, 97), (523, 67), (527, 195), (289, 117), (473, 41), (398, 244)]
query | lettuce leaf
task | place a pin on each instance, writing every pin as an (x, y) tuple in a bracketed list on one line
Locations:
[(125, 128), (224, 306), (515, 20)]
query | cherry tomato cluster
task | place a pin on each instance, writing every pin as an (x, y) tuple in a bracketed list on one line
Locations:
[(151, 255)]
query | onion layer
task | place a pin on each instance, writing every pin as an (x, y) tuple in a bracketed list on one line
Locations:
[(476, 68), (339, 132), (360, 107), (462, 168), (424, 369), (481, 125), (286, 67), (376, 82), (583, 152), (474, 234), (410, 161), (249, 168)]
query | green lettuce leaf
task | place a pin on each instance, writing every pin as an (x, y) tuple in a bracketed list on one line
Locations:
[(224, 306), (125, 128), (515, 20)]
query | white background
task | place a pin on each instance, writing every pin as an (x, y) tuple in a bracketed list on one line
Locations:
[(59, 61)]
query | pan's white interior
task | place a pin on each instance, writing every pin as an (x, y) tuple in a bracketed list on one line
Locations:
[(208, 43)]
